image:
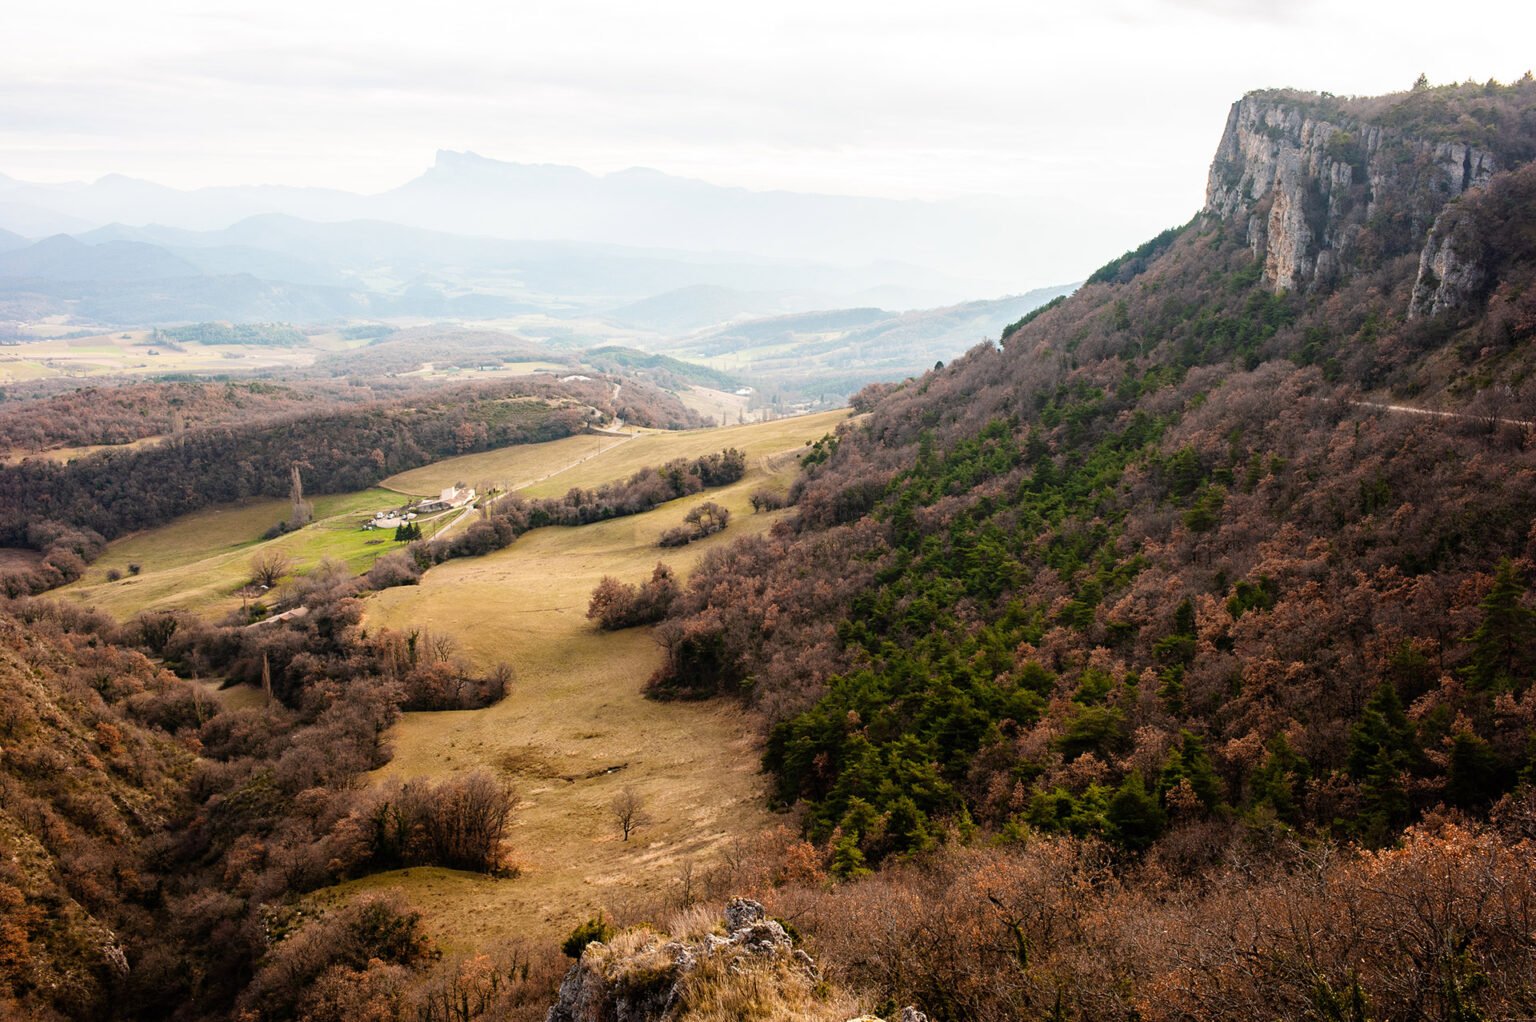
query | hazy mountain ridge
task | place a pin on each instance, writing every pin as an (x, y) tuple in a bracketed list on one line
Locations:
[(464, 193), (883, 339), (412, 271)]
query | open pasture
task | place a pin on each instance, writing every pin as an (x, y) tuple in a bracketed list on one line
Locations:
[(576, 729)]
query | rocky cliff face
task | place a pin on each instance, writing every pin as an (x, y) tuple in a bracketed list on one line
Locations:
[(1321, 194), (1452, 270)]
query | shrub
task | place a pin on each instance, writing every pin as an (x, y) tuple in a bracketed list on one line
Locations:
[(679, 535), (593, 930), (768, 500), (615, 605), (706, 519), (394, 569)]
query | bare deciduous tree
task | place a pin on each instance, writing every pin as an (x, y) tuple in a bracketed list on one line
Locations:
[(628, 810), (269, 566), (303, 512)]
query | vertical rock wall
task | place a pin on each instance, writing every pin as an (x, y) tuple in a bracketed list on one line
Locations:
[(1319, 196)]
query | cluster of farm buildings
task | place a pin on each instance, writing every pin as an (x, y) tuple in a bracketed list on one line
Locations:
[(456, 496)]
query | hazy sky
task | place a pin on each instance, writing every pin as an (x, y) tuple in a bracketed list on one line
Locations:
[(1117, 103)]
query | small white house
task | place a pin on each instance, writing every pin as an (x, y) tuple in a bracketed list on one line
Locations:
[(453, 497)]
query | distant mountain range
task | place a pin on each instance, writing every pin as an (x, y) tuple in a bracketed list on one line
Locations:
[(462, 193), (275, 265)]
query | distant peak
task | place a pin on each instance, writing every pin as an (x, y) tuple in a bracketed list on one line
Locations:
[(124, 179), (454, 157), (452, 161)]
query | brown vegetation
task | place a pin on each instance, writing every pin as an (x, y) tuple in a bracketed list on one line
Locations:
[(616, 605)]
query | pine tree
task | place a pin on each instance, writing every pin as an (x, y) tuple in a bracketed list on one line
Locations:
[(1474, 776), (1504, 643), (1384, 799), (1135, 817), (1191, 762), (1277, 779), (1383, 729)]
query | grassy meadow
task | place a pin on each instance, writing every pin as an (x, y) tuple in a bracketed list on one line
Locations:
[(201, 560), (575, 730), (138, 352), (507, 468), (549, 469)]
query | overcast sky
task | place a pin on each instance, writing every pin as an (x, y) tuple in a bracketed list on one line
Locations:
[(1117, 103)]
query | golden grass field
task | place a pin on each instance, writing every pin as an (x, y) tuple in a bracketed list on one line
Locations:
[(576, 710), (64, 455), (588, 460), (575, 729), (500, 370), (718, 405), (129, 352), (507, 468)]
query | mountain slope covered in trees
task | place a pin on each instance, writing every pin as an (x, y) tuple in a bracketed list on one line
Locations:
[(1165, 569)]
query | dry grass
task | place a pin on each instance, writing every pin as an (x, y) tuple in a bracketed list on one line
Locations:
[(773, 991), (507, 468), (717, 405), (128, 352), (730, 985), (501, 370), (588, 460), (64, 455), (576, 730), (758, 440)]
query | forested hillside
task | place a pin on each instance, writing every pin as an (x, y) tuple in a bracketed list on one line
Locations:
[(1167, 570), (339, 445)]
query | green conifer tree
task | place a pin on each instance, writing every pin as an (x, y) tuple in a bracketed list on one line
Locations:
[(1135, 817), (1504, 643)]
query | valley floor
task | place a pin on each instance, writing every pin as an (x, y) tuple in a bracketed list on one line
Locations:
[(576, 730)]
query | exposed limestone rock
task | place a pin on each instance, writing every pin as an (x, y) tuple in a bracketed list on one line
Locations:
[(741, 913), (908, 1014), (642, 976), (1451, 270), (1316, 195)]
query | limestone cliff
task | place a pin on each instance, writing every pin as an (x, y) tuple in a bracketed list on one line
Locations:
[(1452, 269), (1322, 192)]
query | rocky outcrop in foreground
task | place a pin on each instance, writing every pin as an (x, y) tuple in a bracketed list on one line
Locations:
[(751, 969)]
